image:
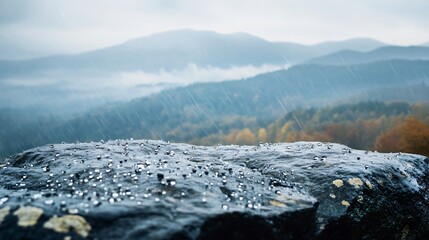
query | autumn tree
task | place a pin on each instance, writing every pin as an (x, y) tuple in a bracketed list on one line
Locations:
[(282, 134), (421, 111), (245, 137), (230, 138), (411, 136), (262, 135)]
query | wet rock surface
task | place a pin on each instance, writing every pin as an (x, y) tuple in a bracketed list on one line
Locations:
[(139, 189)]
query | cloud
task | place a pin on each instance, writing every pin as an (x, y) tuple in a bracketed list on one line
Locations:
[(192, 74)]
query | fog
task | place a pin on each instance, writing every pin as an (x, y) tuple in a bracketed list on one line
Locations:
[(79, 91), (192, 74)]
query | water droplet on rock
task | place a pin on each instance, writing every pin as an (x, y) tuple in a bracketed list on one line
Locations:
[(3, 200), (73, 211), (49, 202), (171, 182)]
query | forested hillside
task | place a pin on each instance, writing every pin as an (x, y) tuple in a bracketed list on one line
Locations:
[(265, 96), (198, 111), (394, 127)]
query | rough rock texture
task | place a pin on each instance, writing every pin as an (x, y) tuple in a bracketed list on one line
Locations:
[(158, 190)]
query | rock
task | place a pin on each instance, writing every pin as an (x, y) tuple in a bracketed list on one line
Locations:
[(3, 213), (158, 190)]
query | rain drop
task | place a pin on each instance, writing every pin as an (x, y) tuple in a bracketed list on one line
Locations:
[(73, 211)]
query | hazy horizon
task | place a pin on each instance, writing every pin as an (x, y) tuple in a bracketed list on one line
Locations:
[(40, 55), (31, 29), (204, 30)]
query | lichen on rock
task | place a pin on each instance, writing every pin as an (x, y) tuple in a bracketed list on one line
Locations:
[(338, 182), (345, 203), (355, 182), (28, 216), (368, 184), (65, 223), (277, 203)]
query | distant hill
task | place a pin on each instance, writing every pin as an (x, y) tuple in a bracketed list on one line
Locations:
[(176, 49), (345, 57), (356, 44)]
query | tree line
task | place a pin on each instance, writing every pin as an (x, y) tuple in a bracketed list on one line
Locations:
[(384, 127)]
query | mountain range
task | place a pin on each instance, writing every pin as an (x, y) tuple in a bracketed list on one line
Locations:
[(176, 49), (70, 84)]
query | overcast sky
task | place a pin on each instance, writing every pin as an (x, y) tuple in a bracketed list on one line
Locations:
[(39, 27)]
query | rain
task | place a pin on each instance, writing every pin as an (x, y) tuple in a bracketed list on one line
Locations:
[(189, 113)]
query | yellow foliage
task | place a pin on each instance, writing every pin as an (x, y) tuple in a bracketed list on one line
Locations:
[(230, 138), (411, 136), (245, 137), (262, 135), (282, 134)]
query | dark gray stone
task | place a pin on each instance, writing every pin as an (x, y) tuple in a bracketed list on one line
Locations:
[(158, 190)]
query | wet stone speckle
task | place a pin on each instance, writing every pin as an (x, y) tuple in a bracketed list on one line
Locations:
[(88, 188)]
